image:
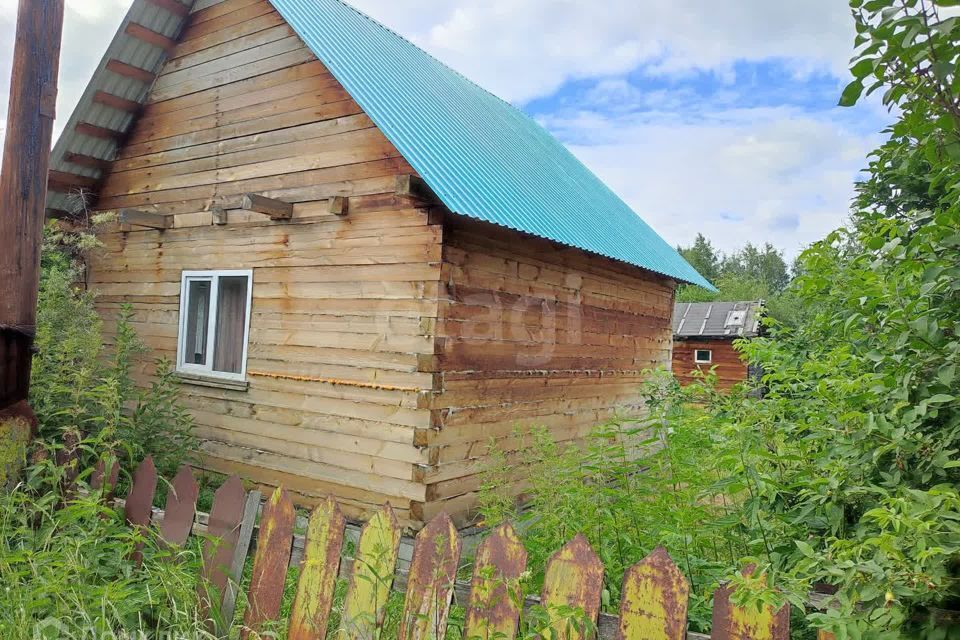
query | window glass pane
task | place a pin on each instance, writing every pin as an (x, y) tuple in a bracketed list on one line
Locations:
[(198, 316), (704, 356), (231, 324)]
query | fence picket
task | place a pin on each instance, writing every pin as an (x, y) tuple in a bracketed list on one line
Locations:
[(270, 563), (653, 604), (68, 458), (181, 507), (433, 573), (100, 480), (318, 577), (139, 504), (223, 532), (573, 578), (376, 560), (496, 596), (731, 622)]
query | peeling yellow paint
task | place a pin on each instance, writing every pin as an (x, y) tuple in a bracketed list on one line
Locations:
[(654, 600), (318, 576), (495, 595), (573, 578), (373, 568), (432, 576)]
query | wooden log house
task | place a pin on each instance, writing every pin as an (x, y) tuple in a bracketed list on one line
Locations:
[(704, 334), (365, 267)]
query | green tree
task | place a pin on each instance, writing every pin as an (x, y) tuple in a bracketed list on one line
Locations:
[(703, 257), (760, 264)]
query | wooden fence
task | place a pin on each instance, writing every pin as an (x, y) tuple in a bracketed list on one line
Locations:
[(654, 595)]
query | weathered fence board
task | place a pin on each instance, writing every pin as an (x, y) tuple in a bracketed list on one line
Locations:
[(318, 577), (731, 622), (653, 601), (493, 609), (223, 531), (433, 574), (574, 580), (181, 507), (373, 570), (103, 481), (139, 505), (270, 564)]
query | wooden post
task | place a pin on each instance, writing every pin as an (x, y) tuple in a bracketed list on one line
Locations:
[(23, 190)]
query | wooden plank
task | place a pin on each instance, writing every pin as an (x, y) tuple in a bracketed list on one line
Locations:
[(731, 622), (139, 504), (89, 162), (653, 603), (130, 71), (65, 182), (430, 584), (116, 102), (223, 534), (145, 219), (173, 6), (87, 129), (181, 507), (248, 525), (573, 578), (416, 188), (493, 610), (339, 206), (270, 563), (150, 36), (315, 590), (101, 481), (366, 601), (276, 209)]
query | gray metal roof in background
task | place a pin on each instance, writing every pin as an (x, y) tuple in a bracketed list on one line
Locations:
[(132, 51), (717, 319)]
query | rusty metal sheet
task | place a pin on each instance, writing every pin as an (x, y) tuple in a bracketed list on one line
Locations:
[(731, 622), (654, 598), (223, 531), (270, 564), (181, 507), (139, 504), (433, 573), (97, 482), (318, 576), (573, 578), (377, 551), (496, 595)]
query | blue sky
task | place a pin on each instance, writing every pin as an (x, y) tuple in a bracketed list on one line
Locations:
[(712, 117)]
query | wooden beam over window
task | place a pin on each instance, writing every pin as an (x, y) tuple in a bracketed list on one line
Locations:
[(409, 186), (130, 71), (90, 162), (145, 219), (276, 209), (150, 36), (94, 131), (173, 6), (116, 102), (64, 182)]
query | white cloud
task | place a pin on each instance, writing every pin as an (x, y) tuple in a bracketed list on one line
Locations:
[(522, 49), (777, 175)]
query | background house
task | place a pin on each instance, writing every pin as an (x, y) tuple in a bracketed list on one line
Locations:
[(703, 337), (365, 266)]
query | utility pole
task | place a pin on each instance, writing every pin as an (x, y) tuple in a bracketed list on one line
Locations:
[(23, 192)]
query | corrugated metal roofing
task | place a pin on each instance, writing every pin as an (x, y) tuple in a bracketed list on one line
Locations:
[(124, 48), (717, 319), (482, 157)]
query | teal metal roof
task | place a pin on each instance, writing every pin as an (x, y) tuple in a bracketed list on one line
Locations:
[(484, 158)]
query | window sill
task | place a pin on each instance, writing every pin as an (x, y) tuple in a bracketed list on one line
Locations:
[(209, 381)]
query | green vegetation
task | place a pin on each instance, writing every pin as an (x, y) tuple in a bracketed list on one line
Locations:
[(846, 473)]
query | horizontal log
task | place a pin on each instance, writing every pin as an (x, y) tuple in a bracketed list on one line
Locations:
[(150, 36), (130, 71), (339, 206), (116, 102), (65, 182), (92, 130), (145, 219), (90, 162), (276, 209)]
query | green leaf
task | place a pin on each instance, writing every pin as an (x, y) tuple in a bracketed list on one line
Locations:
[(805, 548), (851, 94)]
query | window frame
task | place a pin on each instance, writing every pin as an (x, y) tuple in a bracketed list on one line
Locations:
[(696, 356), (213, 277)]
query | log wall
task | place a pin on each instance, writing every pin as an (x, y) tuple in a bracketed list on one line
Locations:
[(729, 367), (343, 308), (533, 334)]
